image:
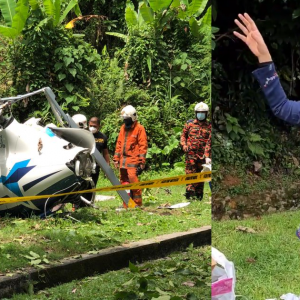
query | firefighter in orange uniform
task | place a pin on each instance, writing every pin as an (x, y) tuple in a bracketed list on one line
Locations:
[(196, 143), (131, 150)]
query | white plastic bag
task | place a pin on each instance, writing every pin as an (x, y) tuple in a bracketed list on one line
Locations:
[(289, 296), (206, 168), (223, 279)]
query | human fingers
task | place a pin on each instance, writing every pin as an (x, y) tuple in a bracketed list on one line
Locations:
[(241, 26), (250, 21), (246, 22), (240, 36)]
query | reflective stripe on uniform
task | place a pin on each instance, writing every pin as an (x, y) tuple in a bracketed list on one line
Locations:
[(124, 149)]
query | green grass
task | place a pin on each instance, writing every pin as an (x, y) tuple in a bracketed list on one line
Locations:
[(267, 262), (167, 276), (56, 238)]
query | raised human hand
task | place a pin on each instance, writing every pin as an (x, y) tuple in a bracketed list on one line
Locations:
[(252, 38)]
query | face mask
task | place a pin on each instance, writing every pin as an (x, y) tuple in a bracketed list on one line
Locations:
[(128, 122), (201, 116), (92, 129)]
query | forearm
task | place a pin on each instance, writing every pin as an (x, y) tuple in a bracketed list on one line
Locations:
[(281, 106)]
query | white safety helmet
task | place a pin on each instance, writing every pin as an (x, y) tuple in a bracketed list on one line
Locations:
[(80, 120), (129, 112), (201, 107)]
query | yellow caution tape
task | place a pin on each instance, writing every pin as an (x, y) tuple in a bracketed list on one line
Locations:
[(164, 182)]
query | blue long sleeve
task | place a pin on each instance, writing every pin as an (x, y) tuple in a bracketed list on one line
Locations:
[(282, 107)]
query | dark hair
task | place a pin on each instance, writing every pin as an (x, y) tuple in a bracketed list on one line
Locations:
[(95, 119)]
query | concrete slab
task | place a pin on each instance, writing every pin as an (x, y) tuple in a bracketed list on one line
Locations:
[(109, 259)]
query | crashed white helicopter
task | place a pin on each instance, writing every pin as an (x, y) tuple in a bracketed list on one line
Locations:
[(36, 160)]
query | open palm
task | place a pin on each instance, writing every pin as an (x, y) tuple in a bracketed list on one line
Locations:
[(252, 37)]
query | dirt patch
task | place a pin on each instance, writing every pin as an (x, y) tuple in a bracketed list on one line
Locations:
[(231, 181), (166, 213), (256, 203), (163, 211)]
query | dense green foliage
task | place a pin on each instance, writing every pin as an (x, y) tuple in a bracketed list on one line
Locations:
[(95, 29), (66, 67), (162, 108), (244, 128), (163, 69), (154, 55)]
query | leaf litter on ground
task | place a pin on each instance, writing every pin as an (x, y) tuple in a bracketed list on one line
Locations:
[(157, 279), (245, 229)]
